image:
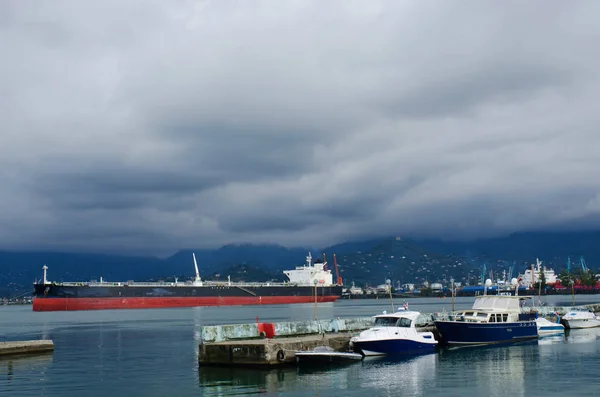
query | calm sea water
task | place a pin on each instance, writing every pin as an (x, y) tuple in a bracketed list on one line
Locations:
[(154, 353)]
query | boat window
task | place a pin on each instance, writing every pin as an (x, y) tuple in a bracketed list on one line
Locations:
[(482, 315), (492, 318), (386, 321), (504, 317), (404, 322)]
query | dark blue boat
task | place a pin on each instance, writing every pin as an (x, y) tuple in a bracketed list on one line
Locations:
[(493, 319)]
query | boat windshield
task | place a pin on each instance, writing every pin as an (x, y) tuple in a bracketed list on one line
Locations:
[(392, 322), (386, 321)]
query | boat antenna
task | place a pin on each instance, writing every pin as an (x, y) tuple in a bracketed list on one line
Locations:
[(196, 266), (389, 284)]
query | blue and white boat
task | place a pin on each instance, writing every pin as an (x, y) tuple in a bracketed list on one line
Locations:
[(546, 327), (394, 333), (493, 319)]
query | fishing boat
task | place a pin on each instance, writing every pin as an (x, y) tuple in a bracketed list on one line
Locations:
[(308, 283), (394, 333), (493, 319)]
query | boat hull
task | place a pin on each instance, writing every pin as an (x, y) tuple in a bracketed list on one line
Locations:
[(472, 333), (69, 298), (551, 330), (393, 347), (581, 323), (546, 328)]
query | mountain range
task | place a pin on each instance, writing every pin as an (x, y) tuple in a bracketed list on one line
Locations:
[(369, 262)]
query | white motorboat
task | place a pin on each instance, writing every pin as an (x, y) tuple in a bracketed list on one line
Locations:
[(546, 327), (394, 333), (580, 319)]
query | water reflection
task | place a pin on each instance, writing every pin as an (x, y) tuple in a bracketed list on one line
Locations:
[(218, 381), (552, 339), (406, 376), (15, 369), (586, 335), (410, 376), (492, 370)]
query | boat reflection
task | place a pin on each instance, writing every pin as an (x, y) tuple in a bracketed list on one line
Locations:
[(583, 335), (494, 370), (551, 339), (412, 375)]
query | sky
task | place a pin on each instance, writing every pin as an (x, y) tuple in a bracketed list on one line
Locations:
[(150, 126)]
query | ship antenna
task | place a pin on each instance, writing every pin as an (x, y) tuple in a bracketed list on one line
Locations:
[(196, 266)]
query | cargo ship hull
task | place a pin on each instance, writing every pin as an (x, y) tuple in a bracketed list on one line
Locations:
[(56, 297)]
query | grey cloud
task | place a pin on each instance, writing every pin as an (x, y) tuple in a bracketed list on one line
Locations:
[(200, 123)]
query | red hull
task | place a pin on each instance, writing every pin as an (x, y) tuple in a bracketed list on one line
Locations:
[(68, 304)]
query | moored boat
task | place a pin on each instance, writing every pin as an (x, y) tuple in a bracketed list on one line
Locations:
[(394, 333), (546, 327), (304, 283), (576, 319), (493, 319)]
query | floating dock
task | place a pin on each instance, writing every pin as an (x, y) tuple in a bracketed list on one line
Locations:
[(25, 347)]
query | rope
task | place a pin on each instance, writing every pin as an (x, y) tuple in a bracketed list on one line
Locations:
[(18, 296)]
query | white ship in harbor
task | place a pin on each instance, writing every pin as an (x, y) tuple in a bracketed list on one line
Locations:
[(529, 278), (310, 274), (353, 290)]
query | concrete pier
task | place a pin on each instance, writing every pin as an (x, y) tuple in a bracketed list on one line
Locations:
[(267, 352), (25, 347)]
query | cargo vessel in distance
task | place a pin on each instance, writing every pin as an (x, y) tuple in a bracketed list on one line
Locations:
[(307, 283)]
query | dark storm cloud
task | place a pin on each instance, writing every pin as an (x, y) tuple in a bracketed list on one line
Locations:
[(157, 126)]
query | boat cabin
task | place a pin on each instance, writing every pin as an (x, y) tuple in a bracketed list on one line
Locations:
[(494, 309), (401, 318)]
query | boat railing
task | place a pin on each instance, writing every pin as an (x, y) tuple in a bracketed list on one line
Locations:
[(179, 284)]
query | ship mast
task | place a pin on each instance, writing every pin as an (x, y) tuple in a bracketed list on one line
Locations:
[(45, 268), (198, 280)]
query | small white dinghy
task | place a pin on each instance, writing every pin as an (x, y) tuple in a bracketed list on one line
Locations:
[(325, 355)]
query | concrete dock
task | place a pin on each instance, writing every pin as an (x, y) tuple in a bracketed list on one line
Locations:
[(26, 347), (267, 352)]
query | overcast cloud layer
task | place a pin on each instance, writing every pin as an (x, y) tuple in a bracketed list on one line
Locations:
[(156, 125)]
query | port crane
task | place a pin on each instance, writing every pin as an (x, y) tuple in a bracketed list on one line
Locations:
[(337, 272)]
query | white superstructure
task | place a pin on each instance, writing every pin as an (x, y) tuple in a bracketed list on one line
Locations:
[(309, 273), (529, 278)]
